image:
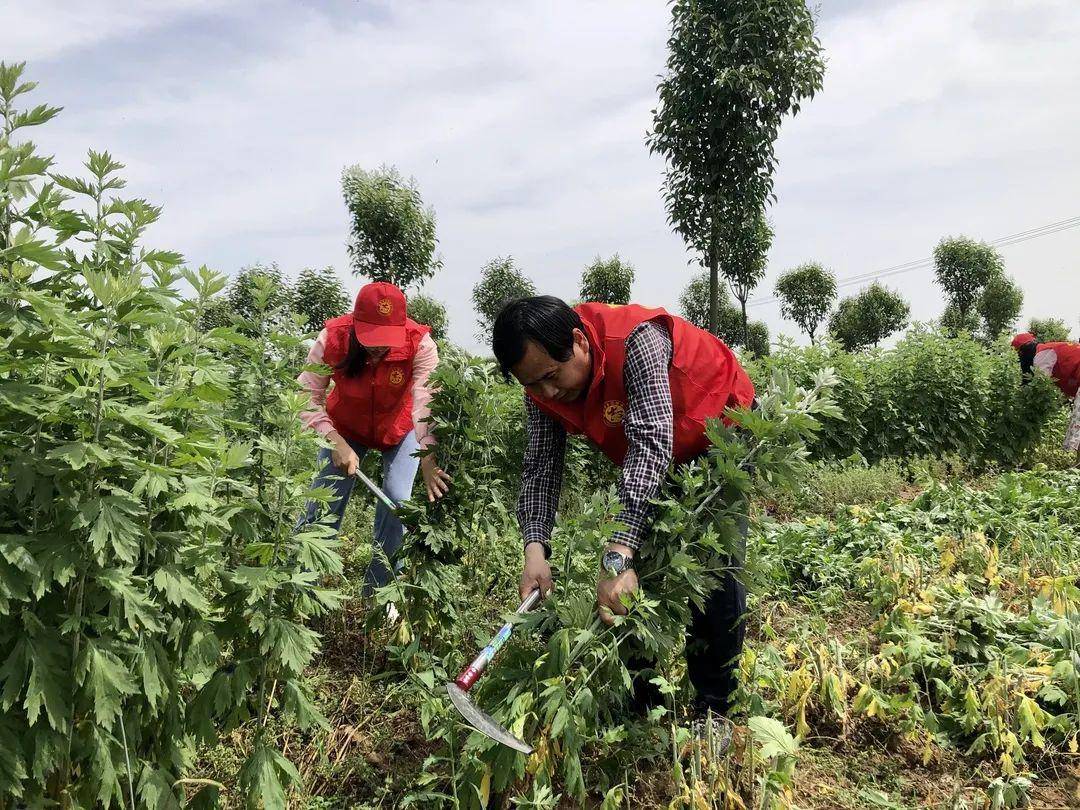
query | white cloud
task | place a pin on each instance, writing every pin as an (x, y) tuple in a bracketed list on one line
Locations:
[(524, 124), (47, 29)]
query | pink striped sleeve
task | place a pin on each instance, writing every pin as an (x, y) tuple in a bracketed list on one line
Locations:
[(427, 358), (315, 417)]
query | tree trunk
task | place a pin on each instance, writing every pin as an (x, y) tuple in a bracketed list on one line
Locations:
[(745, 322), (714, 280)]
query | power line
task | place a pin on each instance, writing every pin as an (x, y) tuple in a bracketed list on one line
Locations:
[(920, 264)]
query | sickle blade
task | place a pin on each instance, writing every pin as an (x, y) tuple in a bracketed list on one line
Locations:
[(482, 722)]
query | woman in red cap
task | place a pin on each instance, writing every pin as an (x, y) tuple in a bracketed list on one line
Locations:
[(1060, 360), (381, 361)]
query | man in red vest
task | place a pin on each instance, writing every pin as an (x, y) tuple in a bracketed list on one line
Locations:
[(1061, 361), (640, 384)]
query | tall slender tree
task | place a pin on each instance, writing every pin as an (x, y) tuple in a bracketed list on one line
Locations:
[(735, 70), (743, 254)]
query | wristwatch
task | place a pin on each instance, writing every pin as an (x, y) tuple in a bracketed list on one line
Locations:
[(615, 563)]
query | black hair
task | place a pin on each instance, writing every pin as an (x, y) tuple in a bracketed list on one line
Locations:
[(1027, 354), (355, 359), (545, 319)]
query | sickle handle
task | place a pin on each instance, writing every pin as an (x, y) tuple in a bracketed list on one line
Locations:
[(468, 677)]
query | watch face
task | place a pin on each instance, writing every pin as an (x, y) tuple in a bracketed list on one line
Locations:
[(614, 563)]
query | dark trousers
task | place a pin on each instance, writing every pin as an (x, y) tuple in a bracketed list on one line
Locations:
[(714, 642)]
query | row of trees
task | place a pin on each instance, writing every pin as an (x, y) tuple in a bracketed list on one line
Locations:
[(304, 305), (807, 294), (981, 299), (605, 280), (392, 238), (735, 70)]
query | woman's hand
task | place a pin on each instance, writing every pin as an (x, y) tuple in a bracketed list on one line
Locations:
[(343, 456), (436, 480)]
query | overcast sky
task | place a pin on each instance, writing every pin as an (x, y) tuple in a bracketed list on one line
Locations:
[(523, 123)]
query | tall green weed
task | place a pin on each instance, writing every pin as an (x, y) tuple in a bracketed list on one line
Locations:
[(152, 590)]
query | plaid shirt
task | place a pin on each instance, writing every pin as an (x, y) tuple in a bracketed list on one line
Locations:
[(649, 426)]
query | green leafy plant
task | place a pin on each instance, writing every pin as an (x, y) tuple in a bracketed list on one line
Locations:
[(103, 437), (273, 584)]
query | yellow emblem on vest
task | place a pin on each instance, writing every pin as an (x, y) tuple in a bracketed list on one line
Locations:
[(385, 306), (614, 411), (397, 376)]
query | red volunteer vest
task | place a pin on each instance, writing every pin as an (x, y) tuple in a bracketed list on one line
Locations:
[(373, 408), (705, 379), (1067, 369)]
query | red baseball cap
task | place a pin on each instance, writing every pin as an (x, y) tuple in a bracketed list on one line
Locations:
[(379, 315), (1023, 339)]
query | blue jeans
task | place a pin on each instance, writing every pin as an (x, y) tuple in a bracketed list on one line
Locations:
[(398, 473)]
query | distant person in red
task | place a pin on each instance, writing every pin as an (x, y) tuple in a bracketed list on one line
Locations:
[(639, 384), (1061, 361), (381, 360)]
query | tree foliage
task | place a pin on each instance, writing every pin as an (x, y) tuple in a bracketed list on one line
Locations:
[(430, 312), (868, 318), (240, 295), (694, 307), (956, 323), (317, 296), (392, 233), (735, 70), (806, 295), (743, 254), (607, 281), (500, 281), (758, 339), (963, 268), (1049, 330), (999, 306), (298, 308)]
